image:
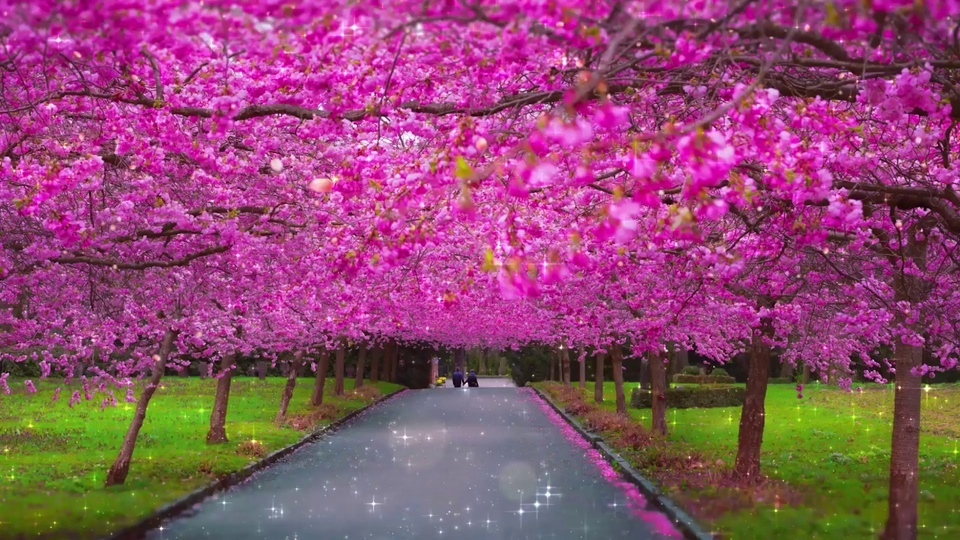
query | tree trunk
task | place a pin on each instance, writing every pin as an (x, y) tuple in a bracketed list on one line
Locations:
[(553, 360), (482, 368), (658, 390), (323, 366), (385, 363), (387, 356), (786, 370), (121, 466), (338, 369), (583, 368), (598, 379), (679, 359), (645, 373), (616, 357), (262, 368), (291, 384), (565, 364), (805, 377), (905, 445), (905, 448), (375, 364), (750, 439), (394, 362), (218, 416), (361, 360)]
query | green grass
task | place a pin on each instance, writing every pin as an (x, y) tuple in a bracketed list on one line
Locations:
[(53, 460), (834, 448)]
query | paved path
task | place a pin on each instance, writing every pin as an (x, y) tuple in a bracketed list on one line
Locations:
[(485, 463)]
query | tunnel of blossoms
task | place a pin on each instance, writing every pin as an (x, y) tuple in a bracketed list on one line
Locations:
[(186, 180)]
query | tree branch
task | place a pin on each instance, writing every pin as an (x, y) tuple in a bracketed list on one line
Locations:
[(120, 265)]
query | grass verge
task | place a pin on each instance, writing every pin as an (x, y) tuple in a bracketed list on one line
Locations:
[(53, 459), (826, 457)]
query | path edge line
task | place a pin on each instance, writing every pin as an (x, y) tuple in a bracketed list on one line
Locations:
[(140, 529), (689, 527)]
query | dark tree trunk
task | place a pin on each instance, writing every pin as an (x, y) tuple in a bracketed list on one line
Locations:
[(361, 360), (338, 370), (375, 364), (121, 466), (393, 362), (786, 370), (291, 384), (396, 365), (658, 390), (616, 357), (553, 360), (645, 373), (679, 359), (583, 368), (385, 368), (262, 368), (385, 363), (598, 379), (460, 359), (750, 439), (905, 448), (902, 514), (565, 364), (323, 366), (218, 416), (805, 377)]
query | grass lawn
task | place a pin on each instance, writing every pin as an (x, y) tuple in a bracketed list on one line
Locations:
[(833, 447), (53, 460)]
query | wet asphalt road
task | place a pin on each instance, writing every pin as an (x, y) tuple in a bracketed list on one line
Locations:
[(487, 463)]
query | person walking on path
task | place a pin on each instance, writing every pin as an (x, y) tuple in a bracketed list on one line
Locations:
[(472, 380), (457, 378)]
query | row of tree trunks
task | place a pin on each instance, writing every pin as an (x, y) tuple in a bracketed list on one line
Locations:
[(598, 378), (121, 466), (658, 391), (218, 416), (361, 360), (616, 358), (291, 384), (750, 438), (323, 366)]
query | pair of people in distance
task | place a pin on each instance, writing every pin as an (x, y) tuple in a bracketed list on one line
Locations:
[(470, 380)]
